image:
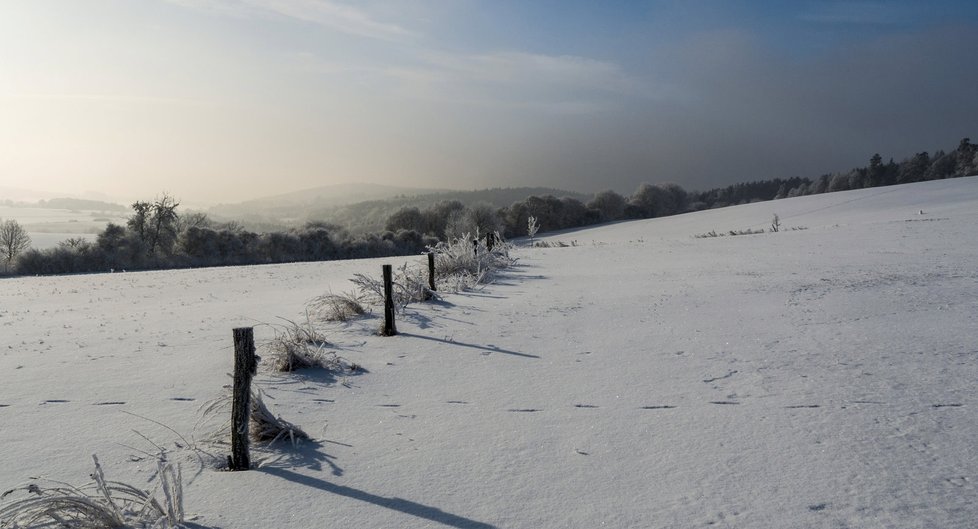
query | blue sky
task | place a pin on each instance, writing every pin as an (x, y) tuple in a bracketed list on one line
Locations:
[(224, 100)]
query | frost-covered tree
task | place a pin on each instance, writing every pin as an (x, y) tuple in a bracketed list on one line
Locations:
[(611, 205), (531, 226), (13, 241), (407, 218)]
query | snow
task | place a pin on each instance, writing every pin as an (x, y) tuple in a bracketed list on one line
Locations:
[(640, 377), (48, 227)]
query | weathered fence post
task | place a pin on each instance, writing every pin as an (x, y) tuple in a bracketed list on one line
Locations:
[(245, 367), (389, 328), (431, 271)]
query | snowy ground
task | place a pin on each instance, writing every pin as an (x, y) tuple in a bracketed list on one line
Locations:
[(641, 378), (48, 227)]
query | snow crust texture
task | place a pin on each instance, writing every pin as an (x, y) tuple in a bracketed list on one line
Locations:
[(637, 377)]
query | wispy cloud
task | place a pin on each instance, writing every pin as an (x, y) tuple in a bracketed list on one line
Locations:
[(562, 72), (329, 14)]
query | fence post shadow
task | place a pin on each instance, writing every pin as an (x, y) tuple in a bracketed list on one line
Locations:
[(419, 510)]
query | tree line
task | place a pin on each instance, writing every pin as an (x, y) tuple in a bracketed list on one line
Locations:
[(157, 237)]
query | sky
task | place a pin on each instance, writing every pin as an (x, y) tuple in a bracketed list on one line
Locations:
[(217, 101)]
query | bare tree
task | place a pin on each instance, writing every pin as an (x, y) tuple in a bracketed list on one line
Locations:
[(13, 241)]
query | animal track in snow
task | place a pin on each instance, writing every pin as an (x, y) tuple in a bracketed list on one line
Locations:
[(728, 375)]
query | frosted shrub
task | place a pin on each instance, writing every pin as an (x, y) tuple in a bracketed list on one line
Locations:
[(460, 264), (409, 285)]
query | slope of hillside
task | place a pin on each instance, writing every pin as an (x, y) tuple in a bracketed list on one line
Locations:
[(640, 377)]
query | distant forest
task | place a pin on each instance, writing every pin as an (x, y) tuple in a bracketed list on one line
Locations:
[(156, 236)]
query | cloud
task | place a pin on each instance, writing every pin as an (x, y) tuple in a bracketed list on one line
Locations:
[(329, 14), (554, 84), (513, 68)]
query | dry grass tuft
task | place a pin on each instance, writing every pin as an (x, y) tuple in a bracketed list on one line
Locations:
[(100, 505), (298, 347), (338, 307), (263, 426)]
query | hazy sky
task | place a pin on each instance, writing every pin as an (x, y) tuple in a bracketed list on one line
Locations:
[(225, 100)]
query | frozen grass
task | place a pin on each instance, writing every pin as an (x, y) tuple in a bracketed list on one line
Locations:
[(299, 346), (102, 504), (263, 427), (338, 307), (459, 265)]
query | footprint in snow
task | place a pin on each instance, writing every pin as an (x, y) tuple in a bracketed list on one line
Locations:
[(714, 379)]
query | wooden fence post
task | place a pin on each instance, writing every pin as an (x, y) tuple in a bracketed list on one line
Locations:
[(389, 328), (431, 271), (245, 367)]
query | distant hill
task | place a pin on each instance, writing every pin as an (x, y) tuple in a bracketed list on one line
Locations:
[(362, 208), (80, 204), (371, 216), (297, 204)]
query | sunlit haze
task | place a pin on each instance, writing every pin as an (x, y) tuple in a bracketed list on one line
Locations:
[(227, 100)]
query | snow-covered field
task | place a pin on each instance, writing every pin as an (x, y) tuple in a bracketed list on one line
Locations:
[(48, 227), (641, 378)]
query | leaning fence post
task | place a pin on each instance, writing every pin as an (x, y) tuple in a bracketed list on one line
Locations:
[(389, 328), (431, 271), (245, 367)]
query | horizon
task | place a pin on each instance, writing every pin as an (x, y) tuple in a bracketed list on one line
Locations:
[(224, 101)]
